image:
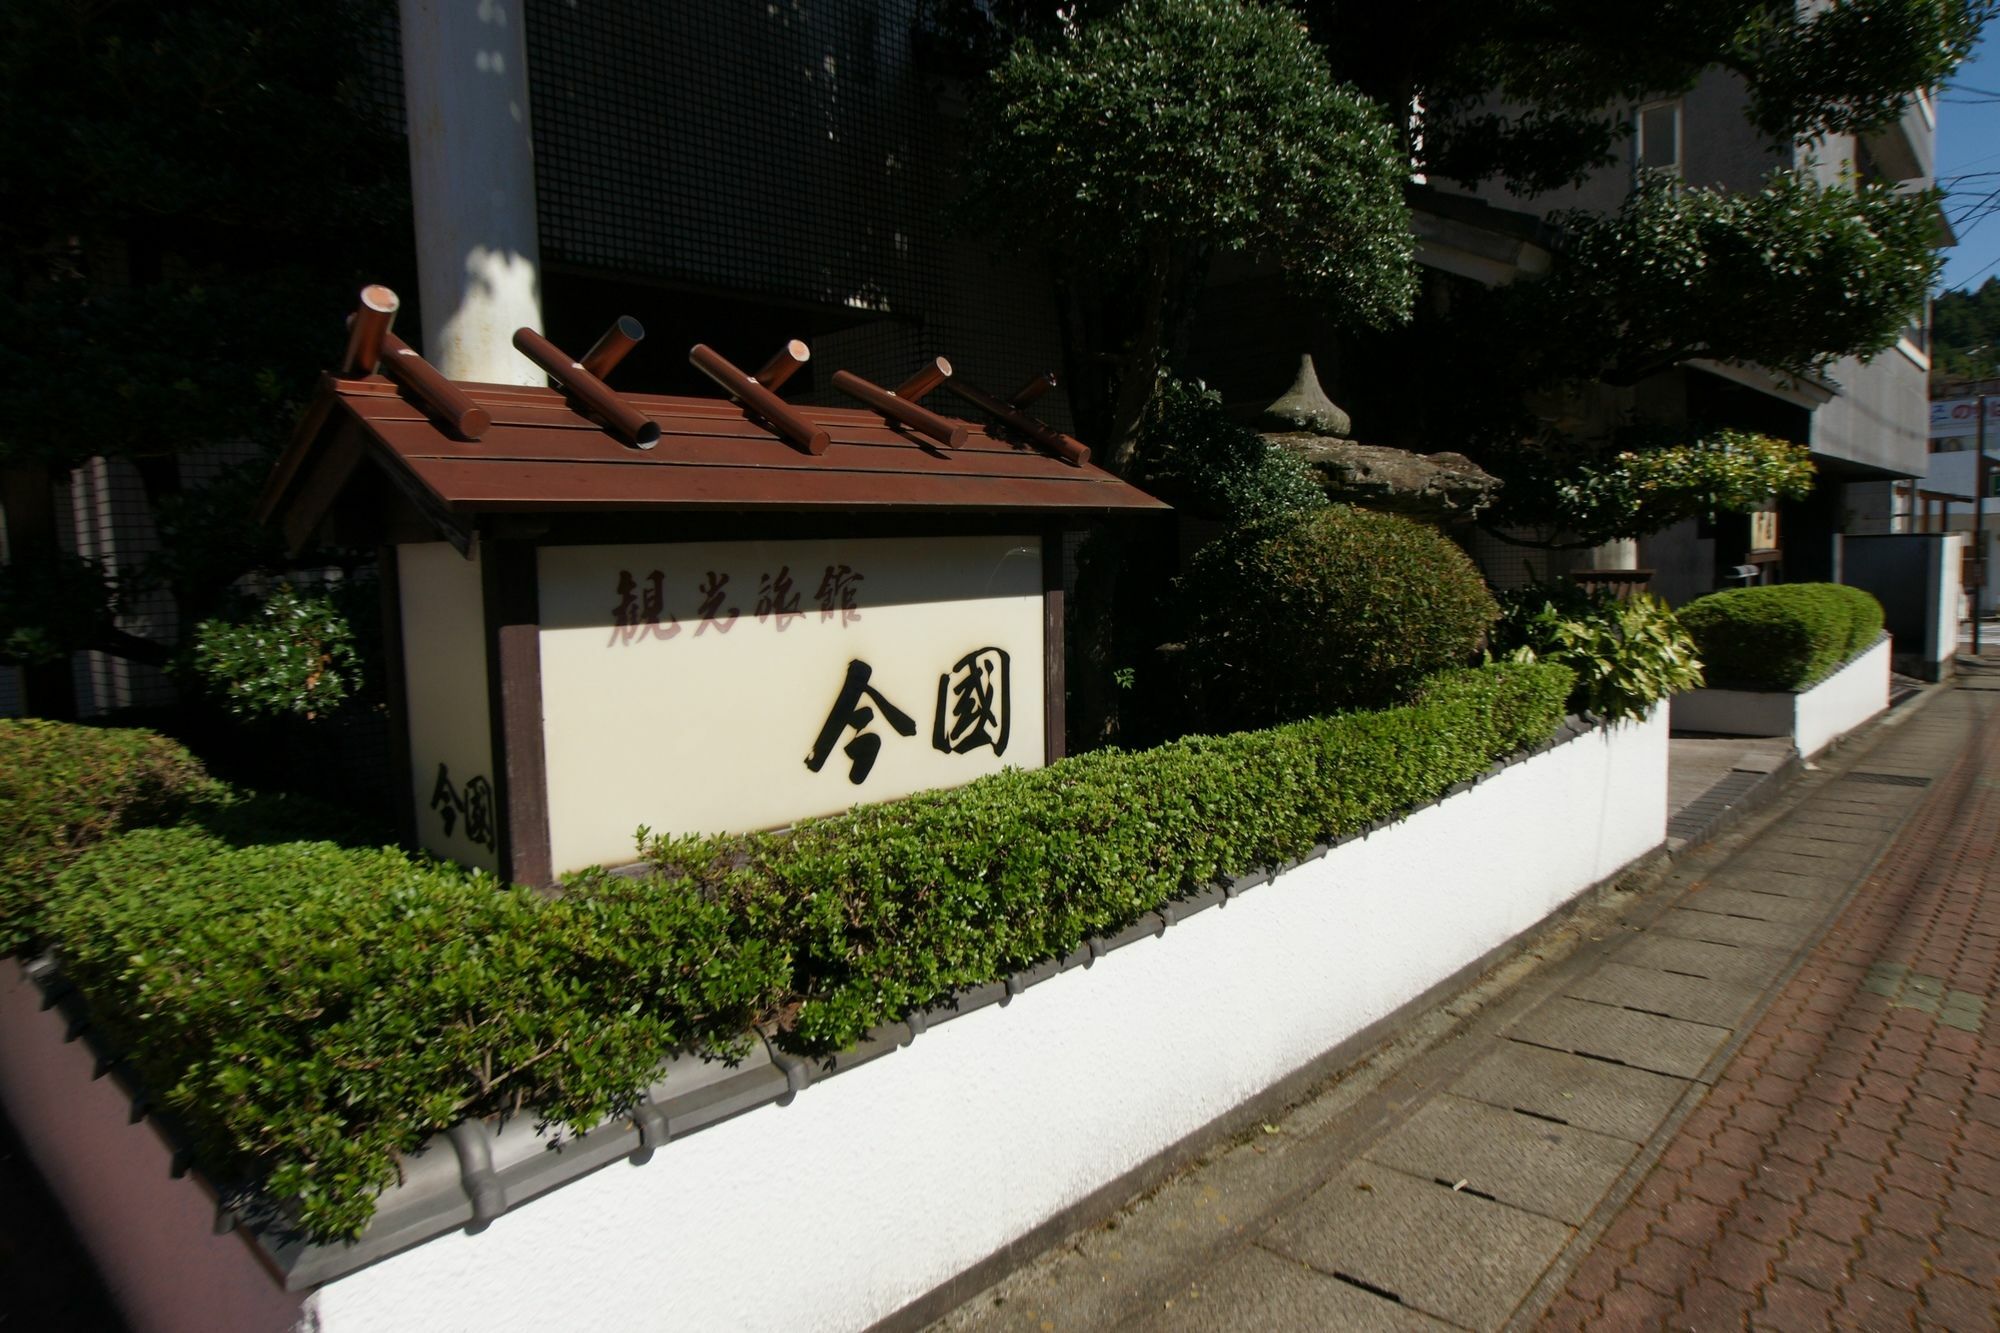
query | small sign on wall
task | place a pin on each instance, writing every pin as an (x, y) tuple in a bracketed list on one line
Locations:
[(709, 687), (1764, 530)]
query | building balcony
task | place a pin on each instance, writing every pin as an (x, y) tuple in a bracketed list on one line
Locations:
[(1907, 150)]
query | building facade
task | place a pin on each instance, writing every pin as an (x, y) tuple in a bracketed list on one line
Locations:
[(745, 175), (1864, 421)]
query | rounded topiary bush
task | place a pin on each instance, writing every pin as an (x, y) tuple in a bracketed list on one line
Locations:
[(1338, 609), (1781, 636)]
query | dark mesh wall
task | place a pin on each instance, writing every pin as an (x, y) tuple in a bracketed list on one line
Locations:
[(769, 170)]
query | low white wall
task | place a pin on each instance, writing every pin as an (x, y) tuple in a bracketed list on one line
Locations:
[(1813, 718), (878, 1185), (1949, 604), (1843, 701)]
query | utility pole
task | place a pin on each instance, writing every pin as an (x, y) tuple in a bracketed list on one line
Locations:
[(1978, 520)]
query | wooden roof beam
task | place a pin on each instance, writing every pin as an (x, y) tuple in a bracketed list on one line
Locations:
[(758, 397), (898, 409), (625, 421), (1071, 451)]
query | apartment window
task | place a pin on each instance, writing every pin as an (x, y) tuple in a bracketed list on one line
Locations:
[(1659, 138)]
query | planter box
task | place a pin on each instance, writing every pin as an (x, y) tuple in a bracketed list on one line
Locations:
[(873, 1181), (1813, 718)]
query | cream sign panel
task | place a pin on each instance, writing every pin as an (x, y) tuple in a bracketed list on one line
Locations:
[(722, 686)]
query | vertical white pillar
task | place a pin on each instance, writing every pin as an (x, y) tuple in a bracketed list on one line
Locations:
[(472, 181)]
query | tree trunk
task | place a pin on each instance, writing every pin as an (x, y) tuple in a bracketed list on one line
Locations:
[(1139, 366)]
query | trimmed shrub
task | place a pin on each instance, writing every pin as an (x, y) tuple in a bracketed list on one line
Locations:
[(309, 1012), (1785, 636), (1192, 451), (890, 908), (64, 788), (1627, 654), (294, 655), (1342, 608)]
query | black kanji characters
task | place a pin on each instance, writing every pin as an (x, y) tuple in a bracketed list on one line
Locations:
[(978, 713), (474, 804), (850, 714)]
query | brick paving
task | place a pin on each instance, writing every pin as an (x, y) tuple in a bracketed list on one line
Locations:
[(1757, 1093), (1844, 1171)]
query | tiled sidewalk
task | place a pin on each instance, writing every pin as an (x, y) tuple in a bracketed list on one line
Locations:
[(1463, 1187), (1845, 1170)]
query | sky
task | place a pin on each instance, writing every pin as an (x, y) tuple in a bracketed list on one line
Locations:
[(1968, 164)]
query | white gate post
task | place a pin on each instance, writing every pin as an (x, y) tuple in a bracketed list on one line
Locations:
[(472, 181)]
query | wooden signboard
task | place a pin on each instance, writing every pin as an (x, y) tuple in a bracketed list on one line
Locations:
[(614, 611), (706, 687), (1764, 530)]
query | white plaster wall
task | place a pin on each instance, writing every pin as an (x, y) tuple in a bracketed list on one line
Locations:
[(1814, 718), (1950, 605), (1736, 712), (880, 1184), (444, 681), (151, 1236), (693, 732), (1843, 701)]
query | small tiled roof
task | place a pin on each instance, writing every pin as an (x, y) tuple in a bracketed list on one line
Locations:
[(542, 455)]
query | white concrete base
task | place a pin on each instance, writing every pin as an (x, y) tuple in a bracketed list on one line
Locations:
[(1813, 718), (877, 1186)]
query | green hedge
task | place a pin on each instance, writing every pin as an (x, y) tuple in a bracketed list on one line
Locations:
[(310, 1011), (1785, 636), (892, 907), (1340, 608), (65, 788)]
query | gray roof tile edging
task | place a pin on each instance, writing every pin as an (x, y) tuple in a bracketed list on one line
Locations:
[(479, 1170)]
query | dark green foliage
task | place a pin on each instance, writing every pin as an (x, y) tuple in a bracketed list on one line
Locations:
[(309, 1011), (1192, 452), (52, 604), (182, 181), (1786, 636), (1793, 276), (1965, 333), (1539, 91), (889, 908), (63, 789), (1343, 608), (1214, 122), (192, 191), (1133, 145), (1627, 654), (292, 655), (1854, 65), (1600, 496)]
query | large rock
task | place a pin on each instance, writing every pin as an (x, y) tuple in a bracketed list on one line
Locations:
[(1440, 488)]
